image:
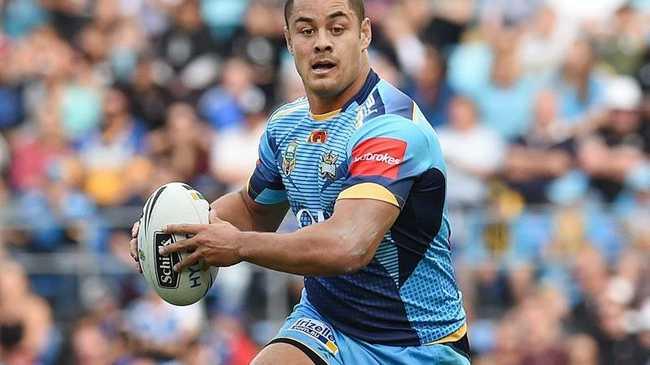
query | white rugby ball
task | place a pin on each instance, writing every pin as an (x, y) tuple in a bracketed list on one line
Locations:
[(173, 203)]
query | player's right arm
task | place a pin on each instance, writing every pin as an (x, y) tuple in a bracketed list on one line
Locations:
[(240, 210), (260, 206)]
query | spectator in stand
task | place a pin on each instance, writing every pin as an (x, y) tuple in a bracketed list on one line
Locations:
[(27, 333), (187, 49), (544, 43), (618, 147), (234, 152), (91, 43), (227, 343), (468, 169), (624, 40), (544, 154), (506, 100), (430, 89), (145, 91), (107, 153), (127, 41), (542, 343), (410, 27), (4, 163), (183, 144), (401, 28), (11, 94), (450, 20), (580, 90), (260, 42), (226, 105), (590, 275), (502, 13), (33, 150), (381, 64), (160, 331), (90, 344), (78, 95), (582, 350), (616, 345)]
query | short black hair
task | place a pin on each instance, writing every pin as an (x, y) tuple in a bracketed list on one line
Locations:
[(357, 6)]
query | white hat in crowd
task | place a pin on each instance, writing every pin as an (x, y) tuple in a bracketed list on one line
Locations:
[(622, 93)]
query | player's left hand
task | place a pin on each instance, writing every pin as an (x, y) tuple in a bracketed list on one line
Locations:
[(216, 244)]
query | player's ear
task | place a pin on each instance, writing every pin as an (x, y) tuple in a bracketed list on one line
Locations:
[(366, 34), (287, 37)]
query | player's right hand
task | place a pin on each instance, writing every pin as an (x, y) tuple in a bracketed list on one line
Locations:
[(133, 245)]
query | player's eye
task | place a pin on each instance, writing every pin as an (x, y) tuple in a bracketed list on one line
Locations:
[(307, 32), (338, 30)]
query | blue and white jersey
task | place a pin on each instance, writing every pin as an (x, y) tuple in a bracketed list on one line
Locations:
[(378, 146)]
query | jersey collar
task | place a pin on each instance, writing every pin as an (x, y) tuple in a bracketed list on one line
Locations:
[(359, 98), (371, 81)]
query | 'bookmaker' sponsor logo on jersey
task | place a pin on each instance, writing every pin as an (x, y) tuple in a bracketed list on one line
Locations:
[(378, 157)]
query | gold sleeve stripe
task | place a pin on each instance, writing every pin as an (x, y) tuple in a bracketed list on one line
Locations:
[(369, 191), (453, 337)]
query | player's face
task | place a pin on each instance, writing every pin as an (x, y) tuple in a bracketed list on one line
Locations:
[(328, 43)]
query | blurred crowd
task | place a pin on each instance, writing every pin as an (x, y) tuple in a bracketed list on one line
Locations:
[(542, 108)]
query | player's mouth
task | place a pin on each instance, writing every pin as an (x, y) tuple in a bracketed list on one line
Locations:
[(323, 67)]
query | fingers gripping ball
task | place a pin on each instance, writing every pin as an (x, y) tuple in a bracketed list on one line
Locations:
[(173, 203)]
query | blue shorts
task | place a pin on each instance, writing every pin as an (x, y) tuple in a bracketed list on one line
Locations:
[(306, 329)]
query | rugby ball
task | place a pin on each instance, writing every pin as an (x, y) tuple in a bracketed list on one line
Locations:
[(173, 203)]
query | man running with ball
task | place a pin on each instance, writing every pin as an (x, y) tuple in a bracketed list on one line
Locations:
[(361, 169)]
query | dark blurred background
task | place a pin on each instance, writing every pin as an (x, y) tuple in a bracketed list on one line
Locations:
[(543, 113)]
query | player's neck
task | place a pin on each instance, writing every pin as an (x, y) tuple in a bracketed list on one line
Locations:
[(323, 105)]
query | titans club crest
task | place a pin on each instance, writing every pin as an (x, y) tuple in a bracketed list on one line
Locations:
[(328, 165)]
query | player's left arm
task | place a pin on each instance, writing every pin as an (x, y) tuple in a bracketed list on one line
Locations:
[(344, 243)]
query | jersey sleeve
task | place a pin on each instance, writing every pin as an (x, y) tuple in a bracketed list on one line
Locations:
[(265, 185), (385, 156)]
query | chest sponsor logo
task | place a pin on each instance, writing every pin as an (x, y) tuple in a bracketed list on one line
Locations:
[(378, 157), (328, 165), (289, 158), (385, 158), (317, 137), (317, 330), (166, 276)]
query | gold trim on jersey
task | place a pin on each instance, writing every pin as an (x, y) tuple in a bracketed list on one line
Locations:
[(322, 117), (369, 191), (453, 337)]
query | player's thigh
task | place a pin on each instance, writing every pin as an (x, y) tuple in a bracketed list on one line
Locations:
[(281, 353)]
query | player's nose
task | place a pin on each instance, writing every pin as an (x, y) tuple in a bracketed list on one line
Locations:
[(323, 43)]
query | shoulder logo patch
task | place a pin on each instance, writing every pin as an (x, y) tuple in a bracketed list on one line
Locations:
[(378, 157), (317, 330)]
